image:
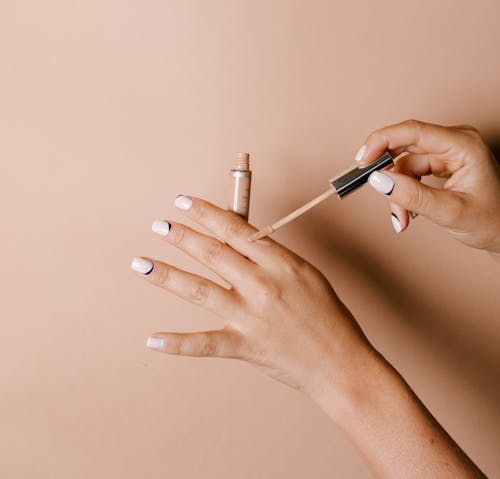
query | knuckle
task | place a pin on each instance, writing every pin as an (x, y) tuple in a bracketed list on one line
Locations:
[(474, 144), (268, 293), (416, 125), (475, 137), (472, 132), (379, 137), (177, 234), (197, 206), (176, 343), (235, 226), (465, 129), (163, 276), (198, 211), (413, 123), (200, 292), (374, 136), (471, 129), (416, 199), (209, 346), (292, 267), (213, 252), (183, 346)]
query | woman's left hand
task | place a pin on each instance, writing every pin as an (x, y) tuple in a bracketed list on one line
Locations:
[(281, 314)]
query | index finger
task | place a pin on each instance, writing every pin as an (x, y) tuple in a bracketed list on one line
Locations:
[(232, 229), (410, 135)]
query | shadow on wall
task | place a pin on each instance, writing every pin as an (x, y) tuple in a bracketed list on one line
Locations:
[(478, 366), (494, 144)]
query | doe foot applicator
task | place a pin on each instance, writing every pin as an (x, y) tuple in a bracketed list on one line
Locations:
[(342, 184)]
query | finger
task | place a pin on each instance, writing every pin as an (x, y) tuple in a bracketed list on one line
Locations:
[(231, 228), (444, 207), (223, 343), (189, 286), (411, 135), (415, 166), (218, 256)]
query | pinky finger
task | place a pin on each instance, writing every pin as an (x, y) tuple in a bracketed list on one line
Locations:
[(221, 343)]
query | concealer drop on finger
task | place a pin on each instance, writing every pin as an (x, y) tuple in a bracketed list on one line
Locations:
[(240, 184)]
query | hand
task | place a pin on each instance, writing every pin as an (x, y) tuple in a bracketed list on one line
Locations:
[(282, 315), (468, 205), (280, 312)]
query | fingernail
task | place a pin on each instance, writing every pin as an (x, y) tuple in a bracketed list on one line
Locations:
[(396, 223), (183, 202), (155, 343), (161, 227), (413, 215), (382, 183), (361, 153), (141, 265)]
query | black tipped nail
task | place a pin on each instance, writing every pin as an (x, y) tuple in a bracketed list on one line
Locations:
[(396, 223), (142, 265)]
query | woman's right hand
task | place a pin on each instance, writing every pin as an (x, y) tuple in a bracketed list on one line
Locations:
[(468, 204)]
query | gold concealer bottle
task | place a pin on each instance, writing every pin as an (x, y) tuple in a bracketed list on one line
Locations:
[(241, 179)]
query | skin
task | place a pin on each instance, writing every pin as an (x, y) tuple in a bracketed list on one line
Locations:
[(468, 204), (281, 314)]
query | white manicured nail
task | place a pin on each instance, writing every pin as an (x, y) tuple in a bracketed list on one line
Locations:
[(361, 153), (161, 227), (382, 183), (155, 343), (396, 223), (141, 265), (183, 202)]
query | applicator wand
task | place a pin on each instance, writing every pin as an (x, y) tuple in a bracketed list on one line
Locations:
[(342, 184)]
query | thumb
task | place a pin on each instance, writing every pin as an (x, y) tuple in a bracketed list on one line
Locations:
[(443, 207)]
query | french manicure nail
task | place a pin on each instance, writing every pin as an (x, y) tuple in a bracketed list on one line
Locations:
[(382, 183), (395, 223), (141, 265), (361, 153), (183, 202), (161, 227), (155, 343)]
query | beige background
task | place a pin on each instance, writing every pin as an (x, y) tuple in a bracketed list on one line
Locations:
[(109, 109)]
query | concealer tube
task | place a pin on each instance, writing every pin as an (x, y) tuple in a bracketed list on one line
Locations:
[(241, 179)]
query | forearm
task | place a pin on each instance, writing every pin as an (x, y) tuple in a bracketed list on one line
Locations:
[(392, 429)]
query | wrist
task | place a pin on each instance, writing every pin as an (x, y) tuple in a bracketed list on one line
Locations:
[(392, 429), (345, 395)]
